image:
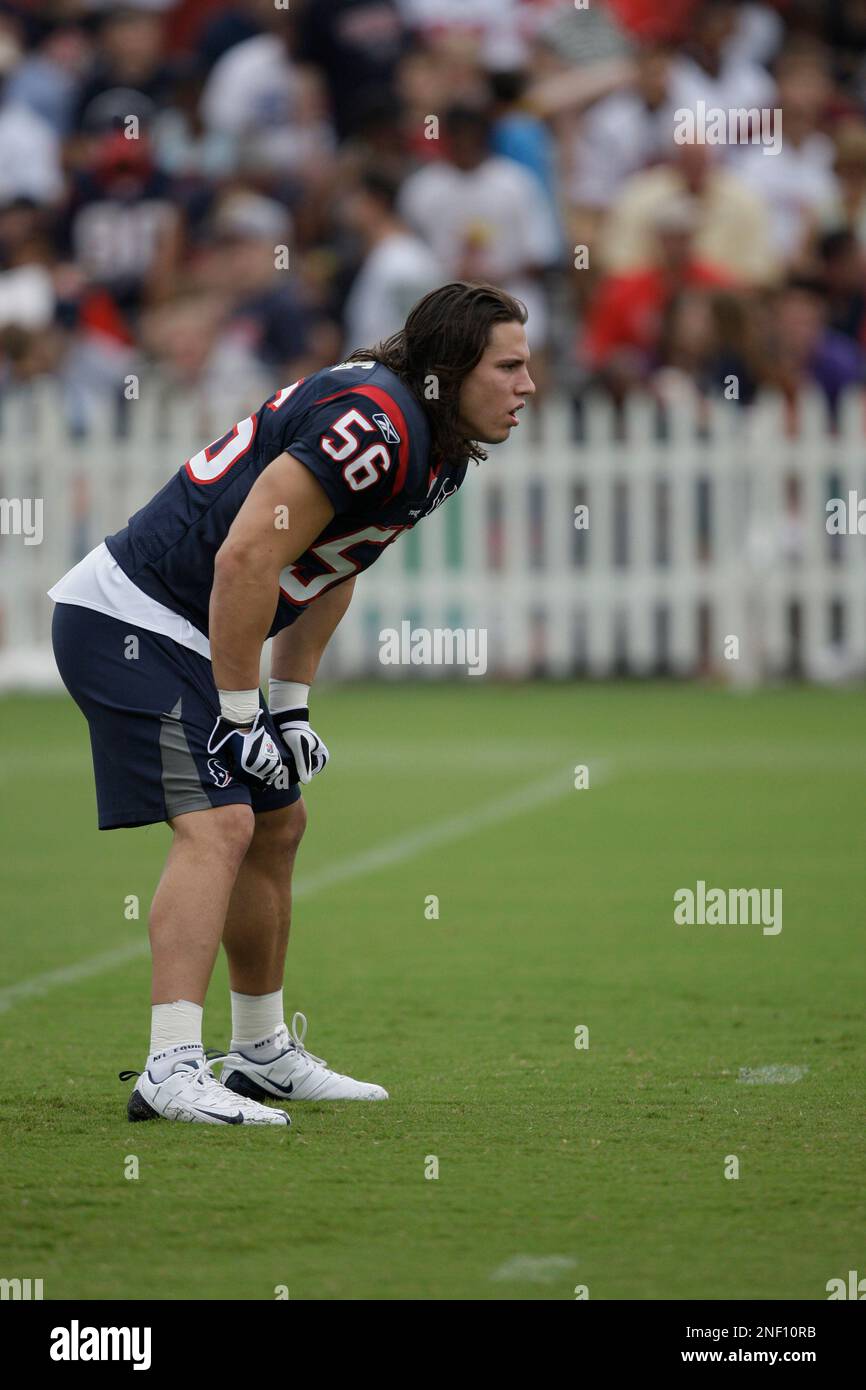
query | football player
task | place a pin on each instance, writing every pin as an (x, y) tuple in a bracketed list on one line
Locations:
[(158, 637)]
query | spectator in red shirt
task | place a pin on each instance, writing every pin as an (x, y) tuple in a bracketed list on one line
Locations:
[(625, 316)]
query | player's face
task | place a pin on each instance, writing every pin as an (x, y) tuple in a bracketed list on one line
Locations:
[(497, 387)]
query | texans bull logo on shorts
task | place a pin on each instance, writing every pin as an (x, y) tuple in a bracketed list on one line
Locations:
[(221, 775)]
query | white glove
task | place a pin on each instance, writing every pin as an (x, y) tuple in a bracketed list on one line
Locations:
[(306, 749), (251, 753)]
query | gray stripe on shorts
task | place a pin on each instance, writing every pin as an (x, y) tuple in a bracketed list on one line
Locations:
[(181, 784)]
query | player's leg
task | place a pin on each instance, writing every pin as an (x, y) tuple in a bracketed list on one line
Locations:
[(187, 919), (267, 1059), (186, 922), (259, 914), (189, 906), (149, 704)]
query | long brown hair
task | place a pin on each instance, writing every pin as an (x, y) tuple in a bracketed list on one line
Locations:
[(442, 340)]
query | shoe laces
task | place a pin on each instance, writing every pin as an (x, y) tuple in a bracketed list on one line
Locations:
[(200, 1072), (297, 1034)]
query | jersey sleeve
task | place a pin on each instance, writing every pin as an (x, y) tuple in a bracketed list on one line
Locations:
[(356, 444)]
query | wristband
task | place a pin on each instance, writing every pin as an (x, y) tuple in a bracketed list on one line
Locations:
[(287, 695), (239, 706)]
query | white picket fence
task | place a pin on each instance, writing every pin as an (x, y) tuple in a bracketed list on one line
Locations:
[(692, 540)]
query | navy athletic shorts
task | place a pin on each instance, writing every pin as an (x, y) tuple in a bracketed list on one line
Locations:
[(150, 712)]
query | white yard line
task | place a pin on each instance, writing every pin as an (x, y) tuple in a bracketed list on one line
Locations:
[(69, 974), (547, 788), (502, 808)]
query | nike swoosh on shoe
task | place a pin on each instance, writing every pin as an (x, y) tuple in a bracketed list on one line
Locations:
[(237, 1119), (286, 1090), (264, 1082)]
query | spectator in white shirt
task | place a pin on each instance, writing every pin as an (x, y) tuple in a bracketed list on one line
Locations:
[(29, 157), (497, 26), (624, 132), (398, 268), (484, 216), (29, 148), (272, 108), (758, 33), (713, 70), (797, 178)]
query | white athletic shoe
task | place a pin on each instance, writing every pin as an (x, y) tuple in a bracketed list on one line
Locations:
[(191, 1092), (295, 1074)]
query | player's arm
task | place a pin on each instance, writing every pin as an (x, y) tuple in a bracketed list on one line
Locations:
[(355, 446), (247, 569), (295, 655), (243, 601), (297, 650)]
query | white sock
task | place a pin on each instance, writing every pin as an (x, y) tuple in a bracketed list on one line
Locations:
[(256, 1021), (175, 1032)]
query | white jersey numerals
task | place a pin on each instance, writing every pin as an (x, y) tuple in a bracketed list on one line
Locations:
[(359, 470), (211, 463), (282, 396), (335, 554)]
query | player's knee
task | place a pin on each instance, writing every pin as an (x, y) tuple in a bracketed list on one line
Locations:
[(224, 830), (278, 833)]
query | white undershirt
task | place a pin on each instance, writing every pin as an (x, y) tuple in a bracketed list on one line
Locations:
[(98, 582)]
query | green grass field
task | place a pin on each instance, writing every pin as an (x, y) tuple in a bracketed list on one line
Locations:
[(605, 1165)]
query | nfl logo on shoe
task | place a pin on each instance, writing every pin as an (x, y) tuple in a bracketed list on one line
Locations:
[(387, 429)]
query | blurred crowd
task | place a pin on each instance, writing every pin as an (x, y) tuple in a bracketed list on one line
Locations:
[(241, 191)]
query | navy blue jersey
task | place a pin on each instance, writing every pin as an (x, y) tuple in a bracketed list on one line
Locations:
[(360, 432)]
